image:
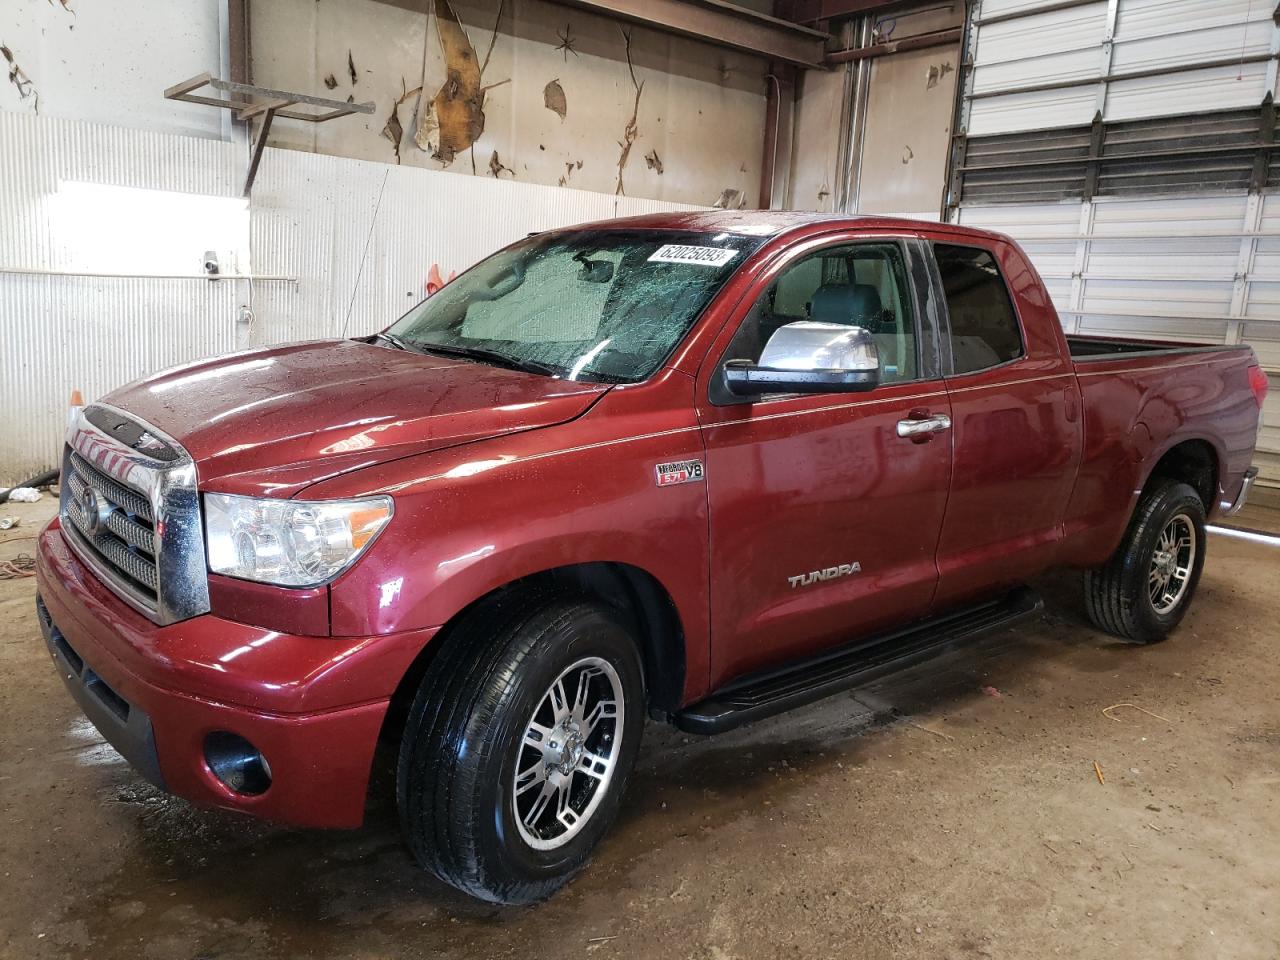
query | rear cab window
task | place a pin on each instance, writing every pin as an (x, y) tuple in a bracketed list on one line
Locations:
[(983, 328)]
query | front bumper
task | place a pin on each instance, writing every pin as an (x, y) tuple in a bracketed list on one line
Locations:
[(313, 706)]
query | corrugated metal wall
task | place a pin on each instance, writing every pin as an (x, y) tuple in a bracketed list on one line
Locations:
[(309, 221), (92, 333), (1163, 246)]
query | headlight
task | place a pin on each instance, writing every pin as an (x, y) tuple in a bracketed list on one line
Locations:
[(292, 543)]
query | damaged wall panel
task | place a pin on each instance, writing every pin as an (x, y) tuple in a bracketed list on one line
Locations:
[(901, 168), (908, 133), (550, 91), (814, 171)]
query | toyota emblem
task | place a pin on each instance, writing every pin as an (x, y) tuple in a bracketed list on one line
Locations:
[(92, 512)]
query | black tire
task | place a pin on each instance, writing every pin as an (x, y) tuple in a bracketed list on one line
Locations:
[(464, 735), (1118, 594)]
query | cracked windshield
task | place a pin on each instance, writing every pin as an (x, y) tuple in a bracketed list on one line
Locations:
[(607, 306)]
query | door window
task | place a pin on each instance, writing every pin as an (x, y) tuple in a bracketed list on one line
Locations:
[(862, 285), (984, 327)]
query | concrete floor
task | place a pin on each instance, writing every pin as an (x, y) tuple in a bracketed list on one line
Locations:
[(971, 824)]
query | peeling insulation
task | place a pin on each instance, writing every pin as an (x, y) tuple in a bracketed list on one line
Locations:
[(26, 89), (631, 130), (554, 100), (454, 119), (549, 87)]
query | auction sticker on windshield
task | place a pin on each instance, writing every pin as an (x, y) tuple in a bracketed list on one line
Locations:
[(681, 253)]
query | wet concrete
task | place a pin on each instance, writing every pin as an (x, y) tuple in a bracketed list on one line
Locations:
[(952, 812)]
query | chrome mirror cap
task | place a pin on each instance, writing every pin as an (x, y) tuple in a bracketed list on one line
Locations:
[(809, 357), (809, 345)]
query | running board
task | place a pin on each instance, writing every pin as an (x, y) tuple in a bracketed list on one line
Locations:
[(765, 694)]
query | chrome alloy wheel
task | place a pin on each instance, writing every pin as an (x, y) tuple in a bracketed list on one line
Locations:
[(1171, 564), (568, 754)]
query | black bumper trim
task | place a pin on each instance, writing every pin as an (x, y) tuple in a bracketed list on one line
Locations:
[(120, 722)]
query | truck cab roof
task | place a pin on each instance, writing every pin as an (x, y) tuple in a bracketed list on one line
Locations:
[(774, 223)]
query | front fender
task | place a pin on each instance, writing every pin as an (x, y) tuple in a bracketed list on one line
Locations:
[(475, 518)]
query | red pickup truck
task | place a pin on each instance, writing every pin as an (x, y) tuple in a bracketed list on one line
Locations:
[(699, 467)]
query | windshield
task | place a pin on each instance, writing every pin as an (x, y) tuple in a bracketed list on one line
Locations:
[(598, 305)]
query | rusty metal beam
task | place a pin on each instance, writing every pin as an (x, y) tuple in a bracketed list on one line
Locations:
[(721, 23), (259, 143), (239, 54), (921, 41)]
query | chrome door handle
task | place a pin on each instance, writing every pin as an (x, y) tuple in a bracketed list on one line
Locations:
[(919, 428)]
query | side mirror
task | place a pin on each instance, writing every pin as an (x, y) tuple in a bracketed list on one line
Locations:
[(809, 357)]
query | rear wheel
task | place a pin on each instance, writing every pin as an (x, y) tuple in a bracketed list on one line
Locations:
[(1144, 590), (517, 749)]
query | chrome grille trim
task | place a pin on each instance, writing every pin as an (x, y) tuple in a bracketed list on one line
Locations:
[(146, 541), (118, 521), (131, 500), (138, 568)]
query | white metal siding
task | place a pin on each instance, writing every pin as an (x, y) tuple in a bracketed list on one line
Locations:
[(1046, 46)]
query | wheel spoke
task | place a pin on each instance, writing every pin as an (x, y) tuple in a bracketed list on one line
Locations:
[(580, 698), (564, 809), (594, 765), (559, 702), (537, 736), (539, 805), (603, 710), (531, 776)]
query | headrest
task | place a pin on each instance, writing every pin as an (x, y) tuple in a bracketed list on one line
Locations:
[(847, 303)]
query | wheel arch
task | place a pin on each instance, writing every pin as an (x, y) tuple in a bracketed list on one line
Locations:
[(1195, 462), (634, 593)]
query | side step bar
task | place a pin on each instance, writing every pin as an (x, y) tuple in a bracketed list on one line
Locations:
[(765, 694)]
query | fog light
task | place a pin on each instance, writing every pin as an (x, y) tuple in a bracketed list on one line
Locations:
[(237, 763)]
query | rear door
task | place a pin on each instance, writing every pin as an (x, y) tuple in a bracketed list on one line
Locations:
[(1015, 414), (824, 520)]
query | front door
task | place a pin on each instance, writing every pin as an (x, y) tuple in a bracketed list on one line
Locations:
[(824, 519)]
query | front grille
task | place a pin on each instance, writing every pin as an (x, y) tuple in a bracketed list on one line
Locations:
[(124, 534), (134, 518)]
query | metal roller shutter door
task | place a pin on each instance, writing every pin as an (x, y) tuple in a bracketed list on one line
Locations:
[(1127, 144)]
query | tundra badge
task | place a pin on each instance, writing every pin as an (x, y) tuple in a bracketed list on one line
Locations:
[(682, 471), (817, 576)]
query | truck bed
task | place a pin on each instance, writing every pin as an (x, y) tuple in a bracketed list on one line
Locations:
[(1100, 348)]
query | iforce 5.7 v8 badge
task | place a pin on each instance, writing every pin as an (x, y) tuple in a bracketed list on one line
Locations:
[(682, 471)]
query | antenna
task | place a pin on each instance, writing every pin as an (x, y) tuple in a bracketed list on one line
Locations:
[(364, 256)]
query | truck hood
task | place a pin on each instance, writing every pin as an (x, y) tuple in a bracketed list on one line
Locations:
[(273, 421)]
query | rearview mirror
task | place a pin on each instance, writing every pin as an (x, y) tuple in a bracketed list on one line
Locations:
[(809, 357)]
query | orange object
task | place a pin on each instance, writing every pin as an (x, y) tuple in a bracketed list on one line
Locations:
[(76, 399), (435, 280)]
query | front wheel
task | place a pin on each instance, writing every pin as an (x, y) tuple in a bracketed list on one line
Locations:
[(1144, 590), (517, 749)]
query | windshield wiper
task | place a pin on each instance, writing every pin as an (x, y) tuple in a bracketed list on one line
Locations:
[(393, 340), (493, 357)]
